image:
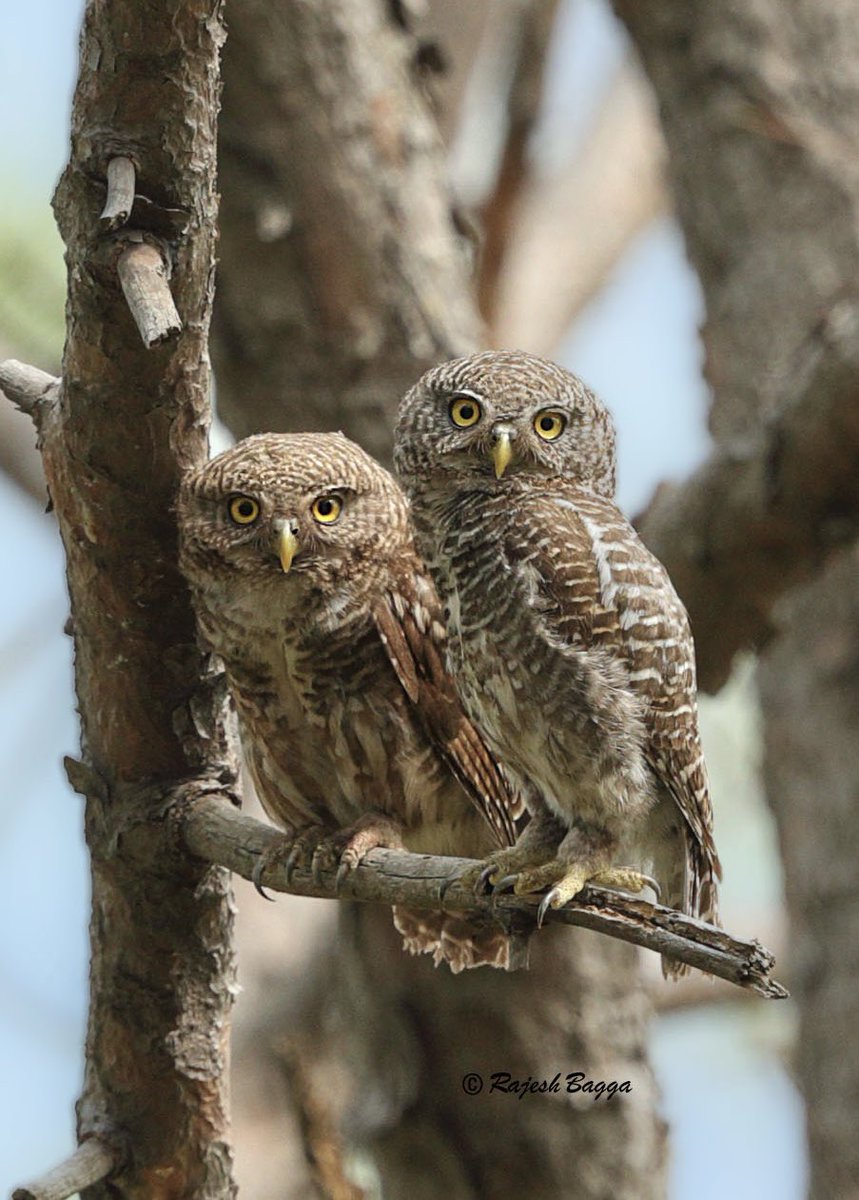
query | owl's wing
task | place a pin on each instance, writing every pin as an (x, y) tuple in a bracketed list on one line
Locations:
[(595, 585), (410, 624)]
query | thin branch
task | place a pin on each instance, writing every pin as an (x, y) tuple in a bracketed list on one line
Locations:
[(536, 21), (575, 226), (214, 830), (120, 193), (91, 1162), (144, 276), (26, 386), (321, 1137)]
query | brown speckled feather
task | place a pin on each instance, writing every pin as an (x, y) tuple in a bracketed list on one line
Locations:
[(409, 619), (598, 587), (570, 647), (334, 654)]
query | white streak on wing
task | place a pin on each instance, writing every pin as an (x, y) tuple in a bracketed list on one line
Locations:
[(608, 586), (646, 673), (635, 643), (629, 618), (686, 772)]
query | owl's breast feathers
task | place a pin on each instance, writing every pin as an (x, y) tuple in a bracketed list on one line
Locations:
[(342, 719), (575, 582)]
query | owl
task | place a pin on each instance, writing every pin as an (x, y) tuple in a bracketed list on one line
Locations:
[(308, 587), (569, 644)]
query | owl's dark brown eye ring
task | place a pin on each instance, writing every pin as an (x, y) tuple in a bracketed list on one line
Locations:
[(243, 510), (326, 509), (464, 410), (550, 424)]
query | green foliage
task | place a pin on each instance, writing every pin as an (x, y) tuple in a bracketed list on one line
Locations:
[(32, 284)]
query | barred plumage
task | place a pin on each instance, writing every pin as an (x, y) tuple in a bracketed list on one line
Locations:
[(570, 646), (307, 585)]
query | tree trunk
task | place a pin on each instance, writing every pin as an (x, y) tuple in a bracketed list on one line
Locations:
[(770, 216), (342, 278), (809, 681), (114, 439)]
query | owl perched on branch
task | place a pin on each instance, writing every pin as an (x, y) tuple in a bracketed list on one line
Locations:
[(306, 583), (570, 647)]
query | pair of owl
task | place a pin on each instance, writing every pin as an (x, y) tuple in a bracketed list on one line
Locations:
[(408, 672)]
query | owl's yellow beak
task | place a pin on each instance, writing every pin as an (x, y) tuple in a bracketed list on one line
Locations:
[(502, 451), (287, 548)]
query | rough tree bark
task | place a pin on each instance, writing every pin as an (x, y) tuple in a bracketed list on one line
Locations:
[(326, 159), (323, 316), (114, 438), (809, 682), (770, 215)]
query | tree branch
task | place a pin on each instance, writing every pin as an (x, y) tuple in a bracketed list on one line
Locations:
[(534, 22), (213, 829), (781, 336), (27, 387), (574, 226), (144, 273), (762, 514), (337, 247), (91, 1162)]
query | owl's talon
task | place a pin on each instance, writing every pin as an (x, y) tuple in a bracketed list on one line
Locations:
[(484, 884), (322, 860), (292, 861), (445, 886), (505, 884), (343, 872), (552, 899), (256, 878)]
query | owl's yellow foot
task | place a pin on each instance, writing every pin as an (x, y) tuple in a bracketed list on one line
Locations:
[(494, 870), (564, 881), (625, 879), (537, 843)]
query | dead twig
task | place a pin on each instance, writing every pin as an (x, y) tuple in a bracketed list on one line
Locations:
[(144, 277), (26, 386), (120, 193), (93, 1161)]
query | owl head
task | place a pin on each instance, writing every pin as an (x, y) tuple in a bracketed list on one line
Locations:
[(281, 516), (495, 420)]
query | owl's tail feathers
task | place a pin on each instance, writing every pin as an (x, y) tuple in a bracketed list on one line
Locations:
[(460, 941), (693, 889)]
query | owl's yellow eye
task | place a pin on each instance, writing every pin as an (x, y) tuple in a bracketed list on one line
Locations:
[(550, 425), (465, 411), (327, 509), (243, 510)]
